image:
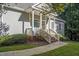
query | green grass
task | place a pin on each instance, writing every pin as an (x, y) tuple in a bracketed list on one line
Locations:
[(72, 49), (17, 47)]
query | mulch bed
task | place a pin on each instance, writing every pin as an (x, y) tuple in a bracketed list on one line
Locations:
[(37, 41)]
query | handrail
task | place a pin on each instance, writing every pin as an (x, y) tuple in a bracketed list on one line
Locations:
[(48, 36), (45, 35), (57, 36)]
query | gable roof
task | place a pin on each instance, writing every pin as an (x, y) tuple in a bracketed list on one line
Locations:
[(27, 7)]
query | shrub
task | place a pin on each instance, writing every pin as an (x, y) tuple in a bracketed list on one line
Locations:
[(4, 38), (13, 39), (62, 38)]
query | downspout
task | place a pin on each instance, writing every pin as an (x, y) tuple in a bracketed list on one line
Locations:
[(23, 26)]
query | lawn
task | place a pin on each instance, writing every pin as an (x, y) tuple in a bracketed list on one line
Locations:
[(17, 47), (72, 49)]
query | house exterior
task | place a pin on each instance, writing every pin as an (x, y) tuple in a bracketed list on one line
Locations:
[(28, 18)]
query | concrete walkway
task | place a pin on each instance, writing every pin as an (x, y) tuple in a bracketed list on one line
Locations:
[(37, 50)]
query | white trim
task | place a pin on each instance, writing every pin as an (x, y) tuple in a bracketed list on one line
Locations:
[(57, 19), (54, 25), (33, 20), (49, 24), (34, 6), (40, 20)]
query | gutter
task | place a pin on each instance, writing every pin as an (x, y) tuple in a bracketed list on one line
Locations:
[(16, 9)]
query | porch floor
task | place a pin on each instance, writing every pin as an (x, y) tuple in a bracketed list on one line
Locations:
[(34, 51)]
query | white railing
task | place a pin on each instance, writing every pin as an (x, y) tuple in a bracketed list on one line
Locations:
[(56, 35), (47, 35)]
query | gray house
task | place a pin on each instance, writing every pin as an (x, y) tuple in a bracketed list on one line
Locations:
[(29, 18)]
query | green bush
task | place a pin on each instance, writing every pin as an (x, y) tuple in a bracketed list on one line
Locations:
[(4, 38), (62, 38), (13, 39)]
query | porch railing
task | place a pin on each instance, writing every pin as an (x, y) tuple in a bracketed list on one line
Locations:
[(45, 35), (48, 36), (54, 34)]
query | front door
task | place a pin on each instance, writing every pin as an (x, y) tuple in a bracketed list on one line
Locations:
[(44, 24)]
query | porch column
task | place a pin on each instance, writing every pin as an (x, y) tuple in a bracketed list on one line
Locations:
[(40, 20), (33, 22), (54, 25), (49, 28), (49, 24)]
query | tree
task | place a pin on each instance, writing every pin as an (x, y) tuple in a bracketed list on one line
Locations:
[(53, 8), (3, 28), (56, 7), (71, 16)]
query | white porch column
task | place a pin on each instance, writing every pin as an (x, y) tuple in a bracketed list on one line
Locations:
[(49, 28), (49, 24), (54, 25), (33, 21), (40, 20)]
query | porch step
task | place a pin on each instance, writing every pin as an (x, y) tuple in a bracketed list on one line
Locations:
[(47, 36)]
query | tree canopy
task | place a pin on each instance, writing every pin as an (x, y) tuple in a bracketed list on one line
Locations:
[(53, 7), (71, 16), (56, 7)]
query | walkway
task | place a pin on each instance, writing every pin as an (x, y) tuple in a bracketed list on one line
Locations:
[(37, 50)]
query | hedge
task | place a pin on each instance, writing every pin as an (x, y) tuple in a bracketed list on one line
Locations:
[(13, 39)]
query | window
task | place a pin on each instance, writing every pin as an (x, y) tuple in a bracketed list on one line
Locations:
[(36, 23), (59, 26), (52, 25)]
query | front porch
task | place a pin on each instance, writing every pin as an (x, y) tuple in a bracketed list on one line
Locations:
[(41, 26), (40, 21)]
